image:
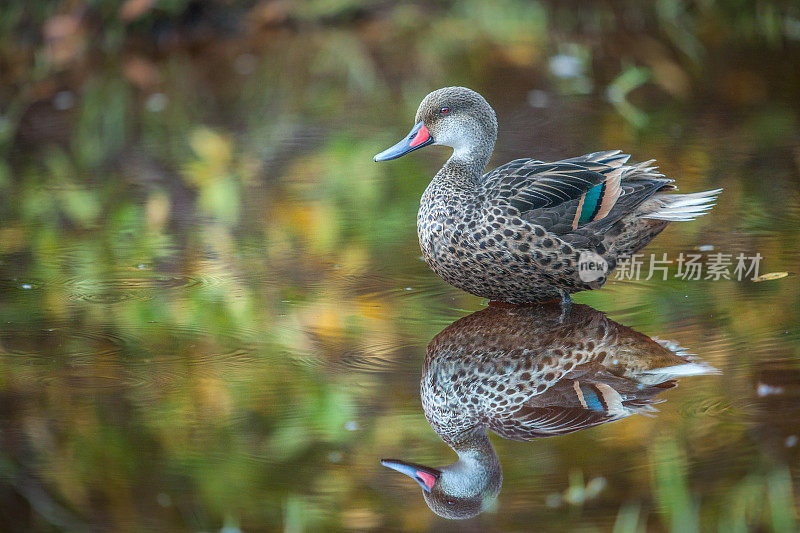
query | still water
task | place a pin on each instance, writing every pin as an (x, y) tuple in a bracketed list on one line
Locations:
[(213, 310)]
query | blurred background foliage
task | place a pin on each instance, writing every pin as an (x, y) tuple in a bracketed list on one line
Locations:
[(213, 309)]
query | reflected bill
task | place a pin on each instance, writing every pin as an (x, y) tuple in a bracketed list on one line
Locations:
[(529, 372)]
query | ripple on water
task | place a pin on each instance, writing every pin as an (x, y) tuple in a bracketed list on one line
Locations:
[(123, 289), (70, 358), (712, 407), (377, 358), (383, 284), (372, 357), (77, 359), (120, 281), (171, 354), (115, 289), (43, 344)]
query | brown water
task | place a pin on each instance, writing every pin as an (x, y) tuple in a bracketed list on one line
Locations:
[(214, 312)]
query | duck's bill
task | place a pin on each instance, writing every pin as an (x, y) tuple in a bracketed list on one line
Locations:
[(417, 138), (424, 475)]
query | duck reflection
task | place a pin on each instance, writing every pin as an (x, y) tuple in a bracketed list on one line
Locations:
[(528, 372)]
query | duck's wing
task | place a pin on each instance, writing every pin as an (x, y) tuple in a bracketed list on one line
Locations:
[(568, 195), (612, 158), (528, 184), (576, 404), (534, 422)]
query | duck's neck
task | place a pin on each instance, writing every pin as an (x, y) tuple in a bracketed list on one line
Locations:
[(478, 465), (469, 161), (475, 154), (471, 153)]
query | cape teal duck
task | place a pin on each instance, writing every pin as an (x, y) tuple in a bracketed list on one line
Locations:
[(518, 233), (528, 372)]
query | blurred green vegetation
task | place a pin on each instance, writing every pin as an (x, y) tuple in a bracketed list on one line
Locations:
[(213, 309)]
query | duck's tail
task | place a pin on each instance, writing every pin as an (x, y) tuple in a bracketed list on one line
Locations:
[(679, 207)]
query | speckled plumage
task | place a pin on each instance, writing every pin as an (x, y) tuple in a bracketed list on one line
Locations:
[(528, 372), (517, 371), (516, 234)]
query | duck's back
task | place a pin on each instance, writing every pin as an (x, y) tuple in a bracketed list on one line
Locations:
[(539, 371), (518, 233)]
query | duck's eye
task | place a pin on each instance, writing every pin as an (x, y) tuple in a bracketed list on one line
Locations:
[(451, 502), (444, 110)]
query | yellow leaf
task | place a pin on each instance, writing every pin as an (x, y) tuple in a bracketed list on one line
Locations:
[(771, 276)]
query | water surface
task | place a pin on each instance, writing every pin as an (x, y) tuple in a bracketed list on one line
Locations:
[(214, 312)]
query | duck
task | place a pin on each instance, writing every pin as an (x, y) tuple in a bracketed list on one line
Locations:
[(527, 372), (529, 230)]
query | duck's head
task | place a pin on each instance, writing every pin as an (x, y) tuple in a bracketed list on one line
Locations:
[(461, 490), (453, 116)]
